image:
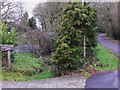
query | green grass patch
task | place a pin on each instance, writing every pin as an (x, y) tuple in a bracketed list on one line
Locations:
[(26, 63), (45, 74), (107, 59), (16, 76), (27, 67)]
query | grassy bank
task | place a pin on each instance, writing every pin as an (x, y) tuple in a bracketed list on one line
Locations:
[(26, 67), (107, 59)]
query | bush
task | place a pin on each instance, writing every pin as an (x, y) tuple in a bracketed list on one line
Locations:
[(40, 43), (8, 36), (77, 21)]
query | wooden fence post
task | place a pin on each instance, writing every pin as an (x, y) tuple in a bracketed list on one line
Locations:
[(9, 58)]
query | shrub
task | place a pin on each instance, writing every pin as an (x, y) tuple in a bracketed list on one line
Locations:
[(77, 21), (8, 36), (40, 43)]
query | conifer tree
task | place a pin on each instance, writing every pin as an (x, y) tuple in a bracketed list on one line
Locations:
[(77, 21)]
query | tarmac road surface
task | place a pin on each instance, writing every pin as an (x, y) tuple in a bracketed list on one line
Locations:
[(105, 79)]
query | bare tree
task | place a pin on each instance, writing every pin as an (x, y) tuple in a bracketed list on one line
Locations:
[(11, 11), (107, 17), (49, 15), (24, 20)]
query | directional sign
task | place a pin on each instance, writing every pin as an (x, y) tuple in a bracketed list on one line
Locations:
[(7, 47)]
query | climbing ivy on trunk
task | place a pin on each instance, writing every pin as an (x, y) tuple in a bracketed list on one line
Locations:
[(78, 20)]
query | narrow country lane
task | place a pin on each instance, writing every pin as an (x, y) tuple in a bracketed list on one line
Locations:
[(105, 79), (111, 45)]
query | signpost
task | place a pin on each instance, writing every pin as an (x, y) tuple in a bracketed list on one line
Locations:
[(8, 49)]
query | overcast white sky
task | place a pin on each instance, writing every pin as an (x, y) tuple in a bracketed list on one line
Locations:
[(30, 5)]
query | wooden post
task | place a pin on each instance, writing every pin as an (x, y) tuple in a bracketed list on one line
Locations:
[(8, 49), (9, 59), (84, 44)]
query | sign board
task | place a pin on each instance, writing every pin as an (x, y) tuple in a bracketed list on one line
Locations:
[(6, 48)]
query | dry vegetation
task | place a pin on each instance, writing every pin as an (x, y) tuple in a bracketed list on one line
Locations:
[(37, 37)]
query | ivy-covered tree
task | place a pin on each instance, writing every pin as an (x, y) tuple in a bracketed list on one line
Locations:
[(32, 23), (78, 20)]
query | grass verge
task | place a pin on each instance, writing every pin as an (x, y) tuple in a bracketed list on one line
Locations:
[(107, 59), (26, 67)]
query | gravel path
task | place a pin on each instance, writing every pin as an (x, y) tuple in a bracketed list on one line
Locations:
[(59, 82)]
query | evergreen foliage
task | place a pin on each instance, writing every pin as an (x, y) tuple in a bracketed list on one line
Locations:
[(32, 23), (8, 36), (78, 20)]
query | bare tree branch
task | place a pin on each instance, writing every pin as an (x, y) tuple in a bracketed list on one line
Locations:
[(49, 14), (11, 11)]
